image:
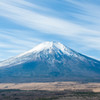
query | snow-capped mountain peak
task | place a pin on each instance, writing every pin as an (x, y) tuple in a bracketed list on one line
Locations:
[(42, 51), (49, 45), (49, 61), (56, 46)]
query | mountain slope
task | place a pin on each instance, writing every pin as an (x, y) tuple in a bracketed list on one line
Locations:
[(49, 61)]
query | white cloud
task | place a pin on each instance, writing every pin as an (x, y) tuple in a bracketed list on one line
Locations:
[(15, 43), (90, 12), (41, 22), (84, 34)]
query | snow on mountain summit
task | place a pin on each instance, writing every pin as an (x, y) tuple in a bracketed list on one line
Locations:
[(42, 51), (56, 46), (49, 45)]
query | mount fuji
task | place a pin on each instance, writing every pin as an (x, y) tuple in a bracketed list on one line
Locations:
[(48, 62)]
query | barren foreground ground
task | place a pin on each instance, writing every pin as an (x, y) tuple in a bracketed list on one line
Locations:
[(48, 95), (50, 91), (52, 86)]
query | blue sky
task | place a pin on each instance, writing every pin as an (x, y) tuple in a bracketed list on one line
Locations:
[(26, 23)]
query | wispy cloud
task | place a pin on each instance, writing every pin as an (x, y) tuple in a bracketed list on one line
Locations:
[(83, 29), (90, 12), (40, 22), (13, 43)]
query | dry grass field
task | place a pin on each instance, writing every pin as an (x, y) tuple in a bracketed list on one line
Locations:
[(52, 86), (50, 91)]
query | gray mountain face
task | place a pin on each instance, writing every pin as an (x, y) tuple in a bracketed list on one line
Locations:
[(50, 61)]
